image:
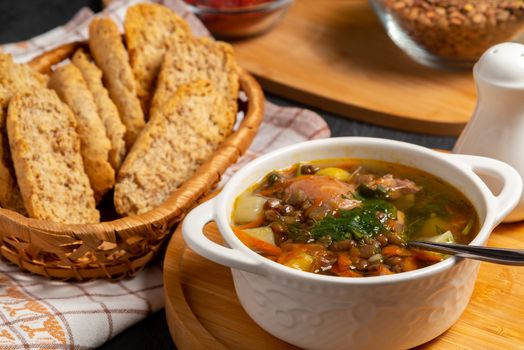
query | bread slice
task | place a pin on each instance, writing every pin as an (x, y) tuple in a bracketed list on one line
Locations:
[(147, 29), (71, 87), (13, 78), (174, 143), (17, 77), (106, 109), (111, 56), (10, 196), (46, 155), (190, 59)]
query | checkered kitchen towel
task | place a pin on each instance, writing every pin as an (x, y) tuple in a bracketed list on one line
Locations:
[(36, 313)]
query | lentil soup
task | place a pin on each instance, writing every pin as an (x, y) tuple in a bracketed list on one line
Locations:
[(351, 217)]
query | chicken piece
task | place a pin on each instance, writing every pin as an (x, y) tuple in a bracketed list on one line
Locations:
[(325, 194), (394, 187)]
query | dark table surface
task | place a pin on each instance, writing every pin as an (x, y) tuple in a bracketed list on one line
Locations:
[(20, 20)]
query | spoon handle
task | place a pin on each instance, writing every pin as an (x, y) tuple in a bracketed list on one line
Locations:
[(494, 255)]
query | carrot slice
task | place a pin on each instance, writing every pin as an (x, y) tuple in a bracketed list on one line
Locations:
[(404, 252), (427, 256), (343, 262), (409, 264), (392, 250), (343, 266), (381, 271), (255, 223), (257, 244), (347, 273)]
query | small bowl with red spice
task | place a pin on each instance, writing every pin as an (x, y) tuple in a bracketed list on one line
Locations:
[(235, 19)]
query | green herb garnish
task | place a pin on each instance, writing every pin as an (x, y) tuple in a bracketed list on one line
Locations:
[(298, 233), (423, 208), (468, 227), (357, 223), (272, 178)]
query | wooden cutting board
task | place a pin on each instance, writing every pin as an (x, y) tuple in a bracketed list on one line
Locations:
[(335, 55), (203, 310)]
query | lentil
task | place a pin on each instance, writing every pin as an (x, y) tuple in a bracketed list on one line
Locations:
[(394, 238), (367, 250), (308, 169), (457, 29), (272, 203), (340, 246), (361, 264)]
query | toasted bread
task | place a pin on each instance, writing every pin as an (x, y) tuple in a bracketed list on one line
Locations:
[(46, 154), (106, 109), (10, 196), (147, 29), (111, 56), (71, 87), (13, 78), (17, 77), (191, 59), (175, 142)]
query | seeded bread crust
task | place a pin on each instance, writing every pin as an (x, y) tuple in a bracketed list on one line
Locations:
[(13, 78), (106, 109), (46, 154), (71, 87), (174, 143), (147, 29), (190, 59), (111, 56)]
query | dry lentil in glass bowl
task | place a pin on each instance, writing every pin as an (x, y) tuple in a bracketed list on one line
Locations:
[(450, 33)]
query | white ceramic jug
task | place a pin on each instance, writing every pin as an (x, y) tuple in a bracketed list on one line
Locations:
[(496, 128)]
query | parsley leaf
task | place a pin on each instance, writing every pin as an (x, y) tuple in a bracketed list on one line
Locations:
[(367, 220)]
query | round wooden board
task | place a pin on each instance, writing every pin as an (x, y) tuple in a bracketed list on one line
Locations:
[(202, 308), (336, 56), (203, 311)]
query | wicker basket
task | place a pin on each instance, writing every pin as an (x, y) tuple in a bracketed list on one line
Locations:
[(122, 247)]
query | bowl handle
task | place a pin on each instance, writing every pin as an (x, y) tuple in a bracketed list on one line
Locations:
[(192, 231), (511, 191)]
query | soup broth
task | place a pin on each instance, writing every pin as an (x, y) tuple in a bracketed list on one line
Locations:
[(352, 217)]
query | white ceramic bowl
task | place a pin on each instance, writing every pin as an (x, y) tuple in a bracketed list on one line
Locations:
[(327, 312)]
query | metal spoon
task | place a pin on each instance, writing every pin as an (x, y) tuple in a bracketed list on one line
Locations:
[(494, 255)]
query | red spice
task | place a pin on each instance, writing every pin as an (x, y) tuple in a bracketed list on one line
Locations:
[(237, 18), (227, 3)]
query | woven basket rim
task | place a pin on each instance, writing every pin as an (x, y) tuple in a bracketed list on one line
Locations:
[(122, 247)]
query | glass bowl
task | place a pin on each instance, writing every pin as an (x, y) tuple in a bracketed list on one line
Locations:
[(450, 33), (234, 19)]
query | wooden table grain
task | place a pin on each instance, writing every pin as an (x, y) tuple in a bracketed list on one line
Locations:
[(335, 55)]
